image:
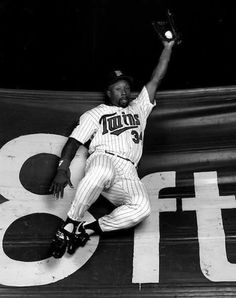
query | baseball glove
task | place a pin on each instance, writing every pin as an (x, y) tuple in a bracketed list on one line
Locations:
[(167, 30)]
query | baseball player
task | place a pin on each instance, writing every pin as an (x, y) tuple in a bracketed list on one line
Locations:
[(115, 131)]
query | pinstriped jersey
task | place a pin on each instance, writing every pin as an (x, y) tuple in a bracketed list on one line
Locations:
[(116, 129)]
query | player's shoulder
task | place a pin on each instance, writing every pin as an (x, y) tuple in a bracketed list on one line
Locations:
[(98, 111), (142, 95)]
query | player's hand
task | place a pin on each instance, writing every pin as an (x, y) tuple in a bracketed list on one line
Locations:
[(168, 44), (166, 29), (60, 181)]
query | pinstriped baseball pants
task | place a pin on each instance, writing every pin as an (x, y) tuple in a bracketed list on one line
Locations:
[(117, 180)]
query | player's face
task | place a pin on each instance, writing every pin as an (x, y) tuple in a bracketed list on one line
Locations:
[(119, 94)]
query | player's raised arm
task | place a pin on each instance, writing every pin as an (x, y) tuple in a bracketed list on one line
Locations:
[(62, 177), (160, 70)]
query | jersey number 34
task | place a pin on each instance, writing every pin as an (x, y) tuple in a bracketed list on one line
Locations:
[(136, 136)]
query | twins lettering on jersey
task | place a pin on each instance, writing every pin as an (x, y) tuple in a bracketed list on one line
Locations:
[(117, 124)]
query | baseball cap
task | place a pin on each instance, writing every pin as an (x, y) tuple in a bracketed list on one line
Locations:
[(116, 76)]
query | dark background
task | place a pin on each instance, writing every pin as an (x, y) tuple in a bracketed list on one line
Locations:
[(71, 45)]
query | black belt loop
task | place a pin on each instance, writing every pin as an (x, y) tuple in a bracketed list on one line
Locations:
[(119, 156)]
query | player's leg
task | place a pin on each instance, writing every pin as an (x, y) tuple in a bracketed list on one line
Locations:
[(132, 203), (129, 195), (99, 174), (132, 206)]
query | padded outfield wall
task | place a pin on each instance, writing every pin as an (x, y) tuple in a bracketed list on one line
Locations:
[(186, 247)]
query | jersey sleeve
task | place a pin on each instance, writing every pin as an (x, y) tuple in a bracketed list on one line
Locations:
[(86, 128), (143, 102)]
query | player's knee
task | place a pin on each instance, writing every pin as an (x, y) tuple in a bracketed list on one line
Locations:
[(146, 211), (142, 212)]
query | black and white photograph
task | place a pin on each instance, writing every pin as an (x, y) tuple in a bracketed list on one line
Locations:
[(117, 149)]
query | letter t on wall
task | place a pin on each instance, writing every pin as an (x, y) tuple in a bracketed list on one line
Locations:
[(211, 236)]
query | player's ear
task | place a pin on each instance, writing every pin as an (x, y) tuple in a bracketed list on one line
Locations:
[(108, 93)]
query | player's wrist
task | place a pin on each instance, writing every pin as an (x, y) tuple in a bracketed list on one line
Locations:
[(63, 164)]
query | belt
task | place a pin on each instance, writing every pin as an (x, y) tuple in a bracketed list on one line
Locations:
[(119, 156)]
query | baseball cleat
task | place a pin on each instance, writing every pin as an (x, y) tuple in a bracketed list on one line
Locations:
[(78, 239), (60, 242)]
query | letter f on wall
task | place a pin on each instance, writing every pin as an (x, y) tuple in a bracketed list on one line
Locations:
[(147, 234)]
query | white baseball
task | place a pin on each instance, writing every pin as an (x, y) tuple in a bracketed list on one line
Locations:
[(168, 34)]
